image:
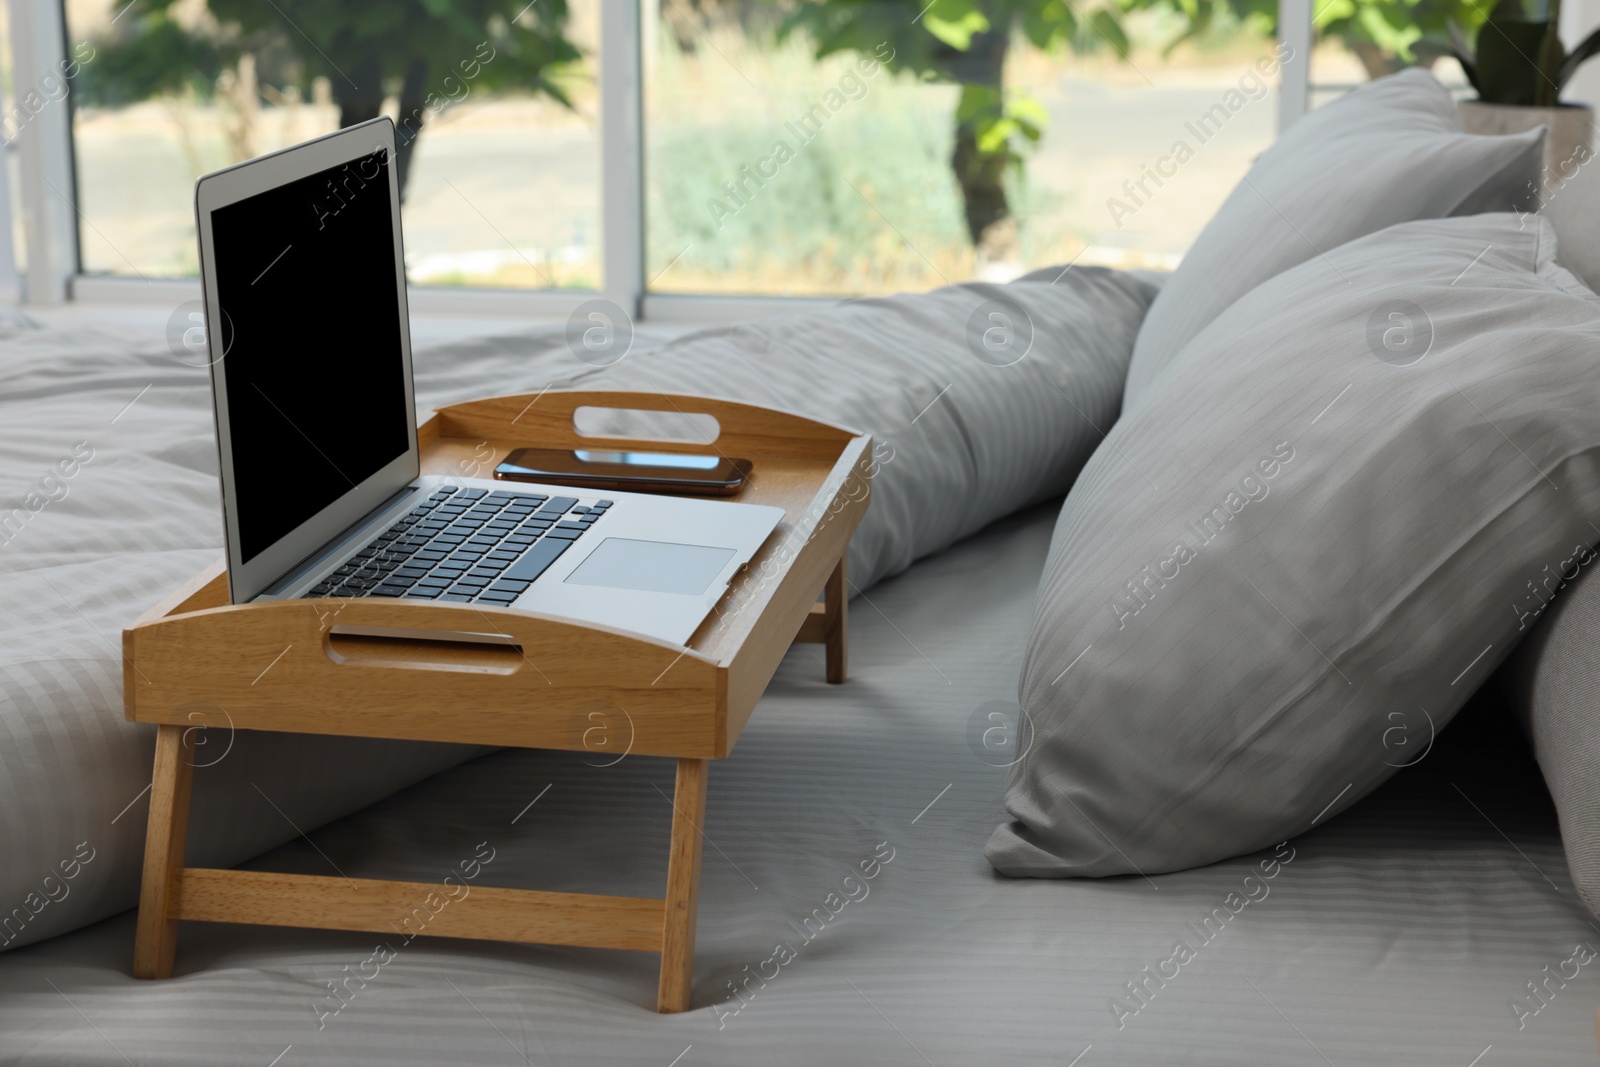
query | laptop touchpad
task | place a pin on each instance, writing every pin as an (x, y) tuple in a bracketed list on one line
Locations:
[(651, 566)]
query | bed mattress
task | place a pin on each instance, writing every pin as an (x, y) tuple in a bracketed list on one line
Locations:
[(1432, 923)]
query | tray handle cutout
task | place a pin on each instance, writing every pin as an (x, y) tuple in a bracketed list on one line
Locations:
[(657, 425), (424, 650)]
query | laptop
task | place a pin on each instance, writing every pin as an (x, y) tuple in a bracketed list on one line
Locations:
[(309, 344)]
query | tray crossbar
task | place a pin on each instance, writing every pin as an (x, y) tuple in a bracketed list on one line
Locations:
[(464, 673), (482, 913)]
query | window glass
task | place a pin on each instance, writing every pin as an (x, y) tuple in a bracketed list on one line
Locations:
[(495, 102)]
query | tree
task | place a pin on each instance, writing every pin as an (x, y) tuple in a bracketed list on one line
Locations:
[(427, 53)]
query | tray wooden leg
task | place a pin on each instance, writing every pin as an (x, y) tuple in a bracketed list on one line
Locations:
[(836, 596), (828, 624), (683, 886), (156, 942)]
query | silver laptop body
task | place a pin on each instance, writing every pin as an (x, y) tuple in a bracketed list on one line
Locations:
[(309, 343)]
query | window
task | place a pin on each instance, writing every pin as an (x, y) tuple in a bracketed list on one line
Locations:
[(772, 170), (776, 147)]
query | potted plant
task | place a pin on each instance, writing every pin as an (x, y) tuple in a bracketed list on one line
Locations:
[(1519, 69)]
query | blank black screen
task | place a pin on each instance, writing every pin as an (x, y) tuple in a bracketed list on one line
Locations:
[(311, 333)]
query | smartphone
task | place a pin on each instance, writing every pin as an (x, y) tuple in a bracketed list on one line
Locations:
[(639, 472)]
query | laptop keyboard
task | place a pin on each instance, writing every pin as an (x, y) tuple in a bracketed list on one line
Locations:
[(465, 545)]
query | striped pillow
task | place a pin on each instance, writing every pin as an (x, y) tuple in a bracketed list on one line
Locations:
[(981, 399), (1390, 152)]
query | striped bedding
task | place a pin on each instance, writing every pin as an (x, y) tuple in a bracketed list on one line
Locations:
[(1416, 928), (108, 500)]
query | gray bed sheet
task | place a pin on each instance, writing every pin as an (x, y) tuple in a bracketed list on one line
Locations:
[(1401, 931)]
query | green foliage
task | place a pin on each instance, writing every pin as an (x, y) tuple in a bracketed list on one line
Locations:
[(954, 22), (1001, 121), (157, 56), (1386, 35), (365, 49), (1521, 61)]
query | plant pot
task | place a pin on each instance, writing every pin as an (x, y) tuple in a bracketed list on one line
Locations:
[(1568, 139)]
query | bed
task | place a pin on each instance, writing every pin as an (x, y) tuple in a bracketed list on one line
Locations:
[(1408, 929)]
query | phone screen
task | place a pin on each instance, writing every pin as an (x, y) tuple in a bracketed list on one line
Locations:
[(650, 459)]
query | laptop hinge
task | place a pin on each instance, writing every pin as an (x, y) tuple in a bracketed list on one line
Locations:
[(334, 544)]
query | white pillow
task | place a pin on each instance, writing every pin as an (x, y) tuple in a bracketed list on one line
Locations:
[(1390, 152), (1307, 536)]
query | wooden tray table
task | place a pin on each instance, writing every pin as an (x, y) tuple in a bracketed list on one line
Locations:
[(477, 674)]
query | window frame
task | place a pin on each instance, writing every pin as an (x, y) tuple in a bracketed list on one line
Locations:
[(51, 220)]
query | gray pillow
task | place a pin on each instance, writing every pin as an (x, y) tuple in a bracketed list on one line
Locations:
[(1306, 538), (1552, 682), (981, 399), (1392, 151)]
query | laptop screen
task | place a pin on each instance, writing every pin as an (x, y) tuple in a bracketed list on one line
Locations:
[(315, 371)]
